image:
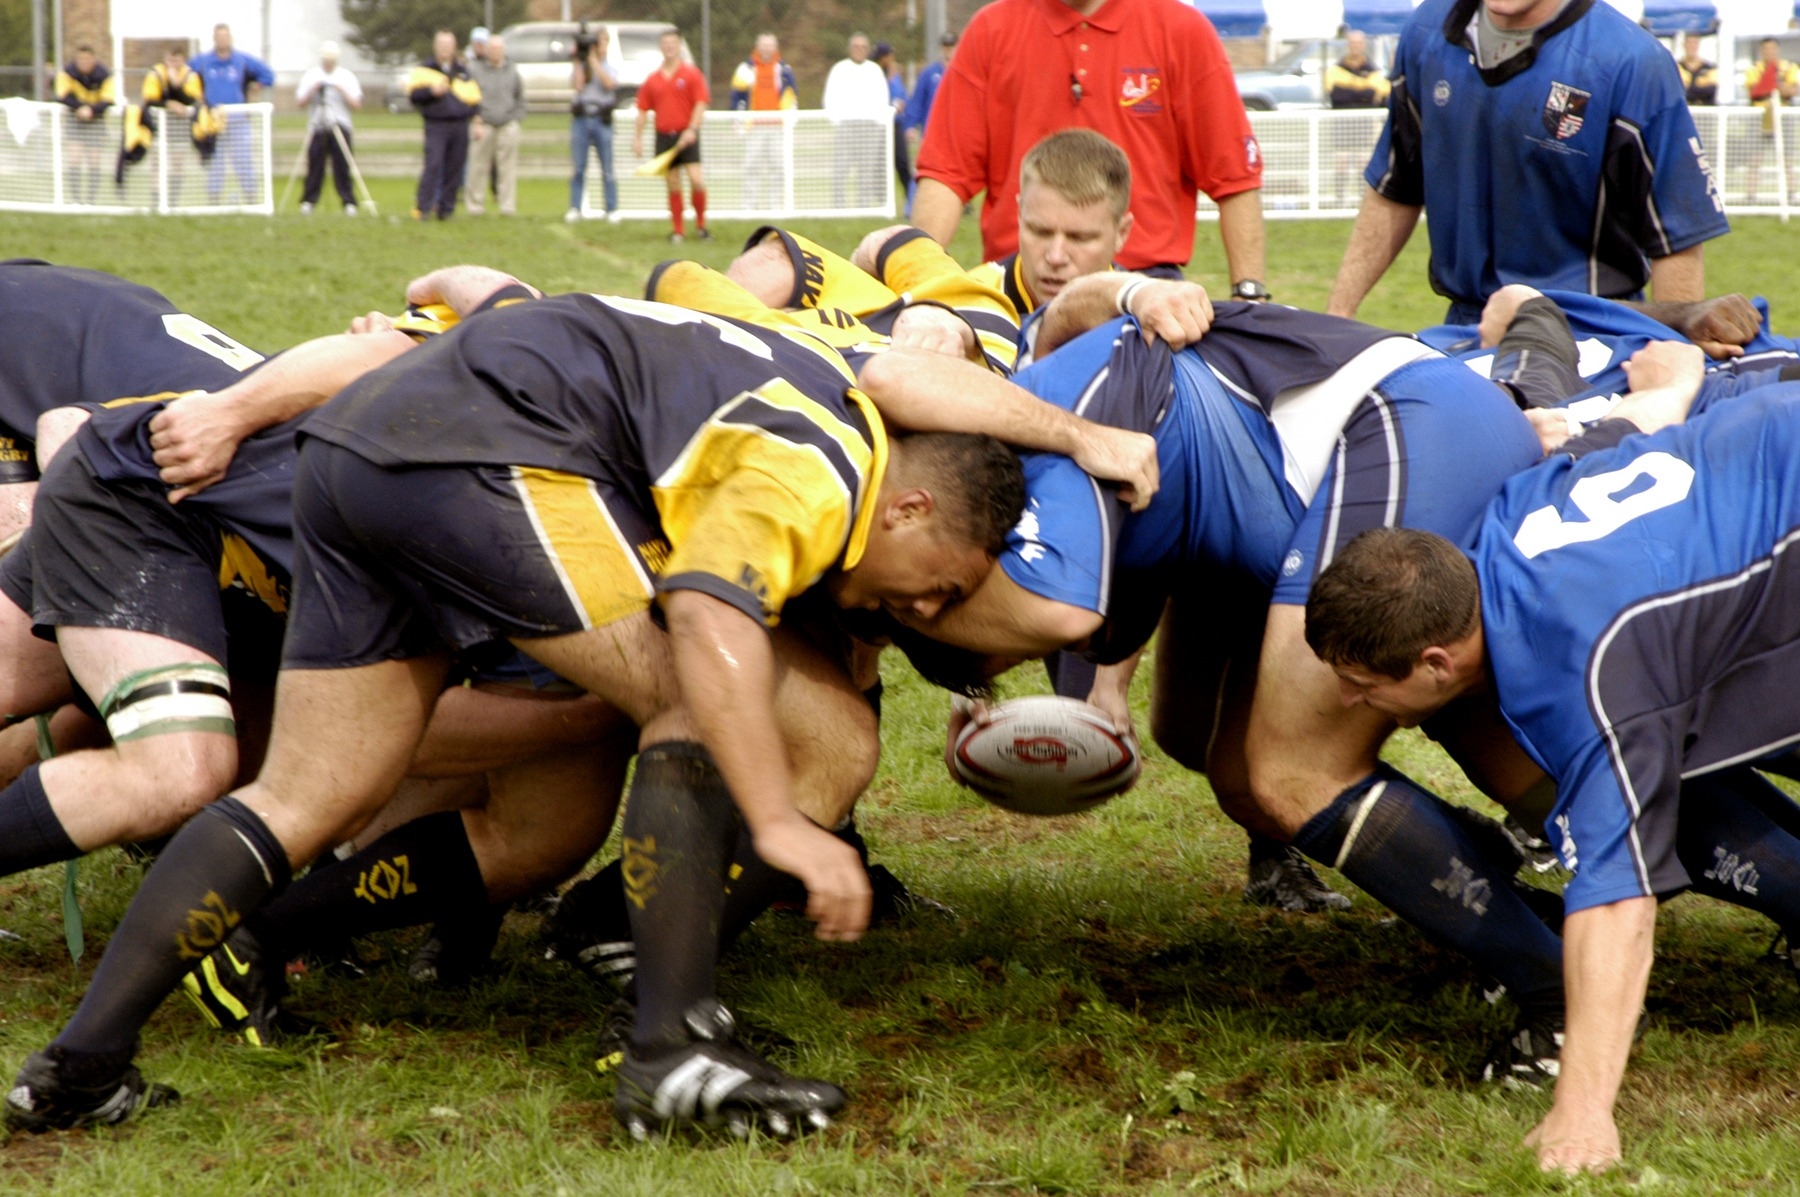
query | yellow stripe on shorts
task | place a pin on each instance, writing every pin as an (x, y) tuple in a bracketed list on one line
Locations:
[(600, 574)]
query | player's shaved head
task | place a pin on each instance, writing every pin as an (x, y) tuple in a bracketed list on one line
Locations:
[(1391, 594), (976, 481), (1081, 166)]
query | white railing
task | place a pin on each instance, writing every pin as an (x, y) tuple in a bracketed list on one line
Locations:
[(52, 162), (1313, 160), (767, 166)]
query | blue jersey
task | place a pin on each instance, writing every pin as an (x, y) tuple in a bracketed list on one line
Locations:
[(1279, 436), (1586, 164), (1641, 612), (1607, 334), (226, 78), (82, 337), (925, 89)]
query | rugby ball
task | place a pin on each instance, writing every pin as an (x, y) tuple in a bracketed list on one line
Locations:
[(1045, 755)]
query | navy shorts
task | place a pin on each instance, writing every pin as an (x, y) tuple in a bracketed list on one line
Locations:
[(398, 563)]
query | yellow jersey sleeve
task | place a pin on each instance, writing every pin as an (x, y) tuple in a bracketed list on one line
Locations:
[(922, 271), (702, 289)]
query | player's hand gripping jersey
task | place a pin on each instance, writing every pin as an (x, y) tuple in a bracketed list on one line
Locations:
[(731, 457), (1641, 612), (76, 337), (1281, 435)]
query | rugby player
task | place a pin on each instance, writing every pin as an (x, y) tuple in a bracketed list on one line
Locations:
[(1631, 605), (609, 455)]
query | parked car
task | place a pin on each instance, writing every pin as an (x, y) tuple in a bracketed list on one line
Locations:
[(543, 51), (1297, 78)]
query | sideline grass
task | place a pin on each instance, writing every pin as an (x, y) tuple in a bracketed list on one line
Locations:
[(1101, 1015)]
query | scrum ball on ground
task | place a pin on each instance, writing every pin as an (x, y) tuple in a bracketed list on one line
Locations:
[(1045, 755)]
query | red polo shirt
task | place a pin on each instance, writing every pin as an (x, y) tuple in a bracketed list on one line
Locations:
[(672, 97), (1153, 79)]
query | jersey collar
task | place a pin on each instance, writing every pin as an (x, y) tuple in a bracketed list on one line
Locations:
[(1456, 32), (878, 457), (1063, 19)]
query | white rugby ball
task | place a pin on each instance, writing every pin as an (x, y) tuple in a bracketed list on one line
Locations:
[(1045, 755)]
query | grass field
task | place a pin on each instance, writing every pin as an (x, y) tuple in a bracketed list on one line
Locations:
[(1101, 1013)]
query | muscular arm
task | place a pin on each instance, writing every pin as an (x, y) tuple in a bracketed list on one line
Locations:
[(929, 392), (463, 288), (937, 209), (725, 664), (1722, 325), (1241, 229), (195, 437), (54, 428), (1003, 619), (1679, 277), (1179, 313), (1607, 952), (1382, 229)]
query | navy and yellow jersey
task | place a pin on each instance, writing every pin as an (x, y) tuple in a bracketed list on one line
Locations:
[(1355, 87), (1700, 81), (742, 441), (252, 504), (83, 337), (160, 87), (76, 88), (912, 268), (457, 104), (688, 284), (1007, 275), (1639, 610)]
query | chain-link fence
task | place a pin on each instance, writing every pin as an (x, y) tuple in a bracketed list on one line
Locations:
[(51, 161)]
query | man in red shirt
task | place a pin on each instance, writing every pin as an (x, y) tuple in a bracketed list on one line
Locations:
[(677, 93), (1149, 75)]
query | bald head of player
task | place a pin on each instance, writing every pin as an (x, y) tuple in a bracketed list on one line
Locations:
[(937, 525), (1398, 618), (1074, 209)]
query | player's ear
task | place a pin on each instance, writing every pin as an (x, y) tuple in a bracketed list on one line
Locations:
[(1125, 223), (914, 505)]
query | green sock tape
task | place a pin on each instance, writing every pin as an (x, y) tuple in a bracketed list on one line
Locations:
[(72, 929)]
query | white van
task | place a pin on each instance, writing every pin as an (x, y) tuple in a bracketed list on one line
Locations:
[(544, 51)]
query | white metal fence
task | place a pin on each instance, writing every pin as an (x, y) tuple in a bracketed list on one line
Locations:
[(1313, 160), (768, 166), (52, 162)]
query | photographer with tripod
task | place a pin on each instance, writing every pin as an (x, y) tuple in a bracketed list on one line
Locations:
[(329, 93), (596, 93)]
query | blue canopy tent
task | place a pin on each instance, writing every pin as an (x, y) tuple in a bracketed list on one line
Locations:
[(1376, 17), (1235, 18), (1664, 17)]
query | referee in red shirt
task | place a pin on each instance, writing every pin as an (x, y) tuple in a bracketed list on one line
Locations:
[(677, 93), (1149, 75)]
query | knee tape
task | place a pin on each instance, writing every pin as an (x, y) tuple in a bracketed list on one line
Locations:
[(173, 698)]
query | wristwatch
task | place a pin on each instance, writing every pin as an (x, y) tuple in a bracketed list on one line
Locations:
[(1251, 290)]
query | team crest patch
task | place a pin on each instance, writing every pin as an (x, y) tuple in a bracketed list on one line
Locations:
[(1565, 110), (1140, 90)]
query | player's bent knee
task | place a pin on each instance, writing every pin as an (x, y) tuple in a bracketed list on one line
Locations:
[(190, 697)]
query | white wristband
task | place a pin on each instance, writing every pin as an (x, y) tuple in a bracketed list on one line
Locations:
[(1123, 299)]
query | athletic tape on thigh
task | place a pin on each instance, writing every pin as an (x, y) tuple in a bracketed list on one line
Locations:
[(173, 698)]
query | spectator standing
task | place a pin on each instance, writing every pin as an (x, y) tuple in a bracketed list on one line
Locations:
[(764, 83), (1587, 173), (1699, 78), (232, 77), (495, 131), (446, 96), (856, 100), (884, 58), (85, 87), (676, 91), (596, 95), (1149, 75), (1771, 83), (924, 92), (178, 91), (1352, 81), (329, 93)]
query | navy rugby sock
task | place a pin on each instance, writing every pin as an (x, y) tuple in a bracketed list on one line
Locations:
[(222, 865), (1732, 841), (420, 872), (680, 828), (1407, 848), (30, 833)]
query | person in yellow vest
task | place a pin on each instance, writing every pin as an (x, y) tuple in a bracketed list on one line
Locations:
[(1772, 82), (1353, 81), (85, 87), (764, 83), (1699, 78), (447, 98)]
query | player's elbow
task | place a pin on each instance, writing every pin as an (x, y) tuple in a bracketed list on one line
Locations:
[(1064, 625)]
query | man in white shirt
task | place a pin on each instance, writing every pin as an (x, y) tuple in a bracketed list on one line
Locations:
[(329, 93), (856, 99)]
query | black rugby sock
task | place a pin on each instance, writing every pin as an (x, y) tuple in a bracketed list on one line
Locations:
[(420, 872), (1408, 849), (30, 833), (680, 828), (1732, 841), (222, 865)]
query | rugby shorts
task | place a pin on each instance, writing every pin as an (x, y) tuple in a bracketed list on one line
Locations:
[(688, 157)]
